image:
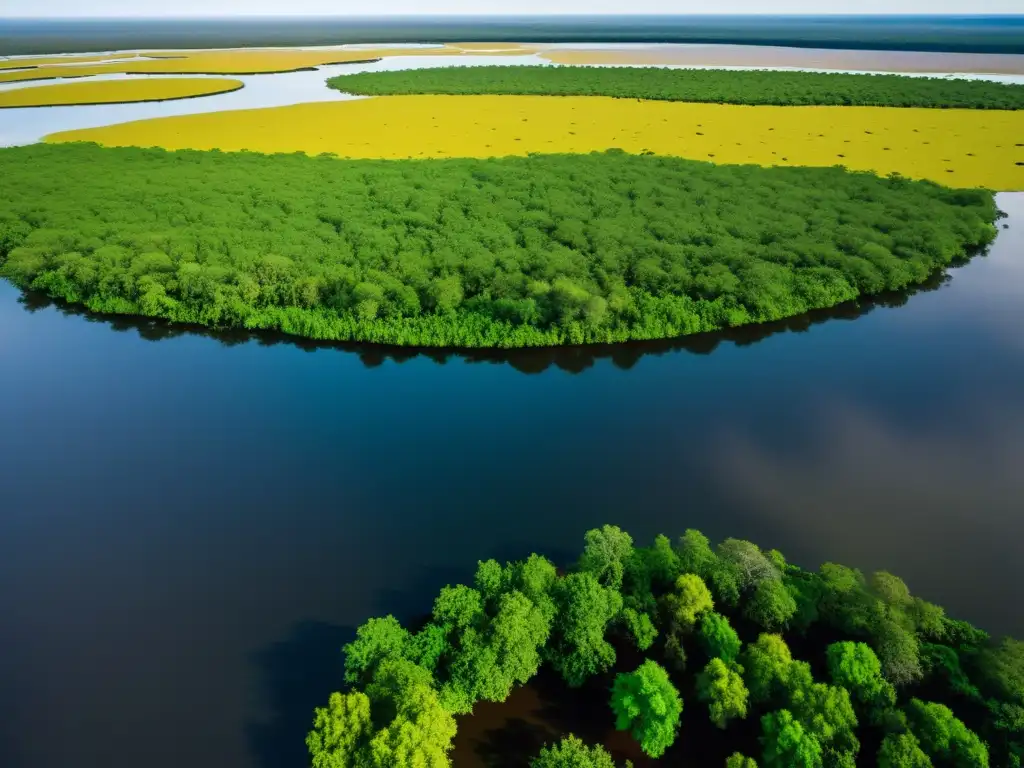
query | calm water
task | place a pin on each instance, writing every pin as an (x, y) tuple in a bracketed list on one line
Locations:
[(190, 527), (981, 34)]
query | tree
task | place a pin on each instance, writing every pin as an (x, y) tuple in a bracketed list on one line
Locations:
[(766, 665), (662, 561), (855, 667), (902, 750), (689, 601), (695, 553), (737, 760), (375, 641), (585, 608), (420, 736), (723, 690), (489, 661), (571, 752), (787, 744), (890, 589), (944, 737), (748, 562), (898, 650), (824, 711), (490, 579), (458, 607), (536, 577), (771, 606), (718, 638), (647, 705), (341, 732), (640, 627), (605, 552)]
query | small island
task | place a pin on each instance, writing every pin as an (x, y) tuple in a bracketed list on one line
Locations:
[(806, 669)]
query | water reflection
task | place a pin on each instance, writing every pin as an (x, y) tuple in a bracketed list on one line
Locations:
[(571, 359)]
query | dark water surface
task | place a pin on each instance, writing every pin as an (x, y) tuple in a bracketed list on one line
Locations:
[(190, 527), (972, 34)]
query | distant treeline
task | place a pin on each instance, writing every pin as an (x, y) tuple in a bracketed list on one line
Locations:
[(827, 668), (508, 252), (719, 86)]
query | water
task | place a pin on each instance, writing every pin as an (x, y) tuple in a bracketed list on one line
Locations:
[(191, 525), (28, 125), (980, 34)]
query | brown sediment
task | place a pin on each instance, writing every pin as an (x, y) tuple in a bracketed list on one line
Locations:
[(776, 56)]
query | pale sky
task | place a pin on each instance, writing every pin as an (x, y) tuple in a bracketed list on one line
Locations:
[(58, 8)]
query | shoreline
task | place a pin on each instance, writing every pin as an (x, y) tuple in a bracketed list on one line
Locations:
[(238, 87)]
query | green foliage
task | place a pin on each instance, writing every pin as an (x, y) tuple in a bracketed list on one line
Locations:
[(605, 554), (702, 85), (944, 737), (942, 663), (468, 252), (458, 607), (640, 627), (787, 744), (902, 750), (1002, 670), (825, 711), (737, 760), (341, 731), (647, 705), (571, 752), (771, 606), (899, 652), (376, 640), (855, 667), (690, 600), (749, 566), (766, 666), (585, 609), (721, 686), (718, 638), (421, 733), (493, 659), (695, 553)]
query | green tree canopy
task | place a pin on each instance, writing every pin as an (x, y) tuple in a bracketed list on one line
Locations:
[(766, 665), (902, 750), (585, 609), (944, 737), (605, 554), (771, 606), (341, 732), (787, 744), (721, 686), (718, 638), (376, 640), (737, 760), (855, 667), (647, 705), (688, 601), (571, 752)]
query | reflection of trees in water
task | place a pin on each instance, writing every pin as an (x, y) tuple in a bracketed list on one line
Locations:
[(571, 359)]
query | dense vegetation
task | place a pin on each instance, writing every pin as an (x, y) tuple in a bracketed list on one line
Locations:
[(720, 86), (879, 666), (500, 252)]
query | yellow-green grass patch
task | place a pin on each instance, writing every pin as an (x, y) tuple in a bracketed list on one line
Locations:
[(962, 148), (116, 91)]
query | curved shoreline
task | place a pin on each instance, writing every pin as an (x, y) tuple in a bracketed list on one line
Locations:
[(186, 74), (238, 87)]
